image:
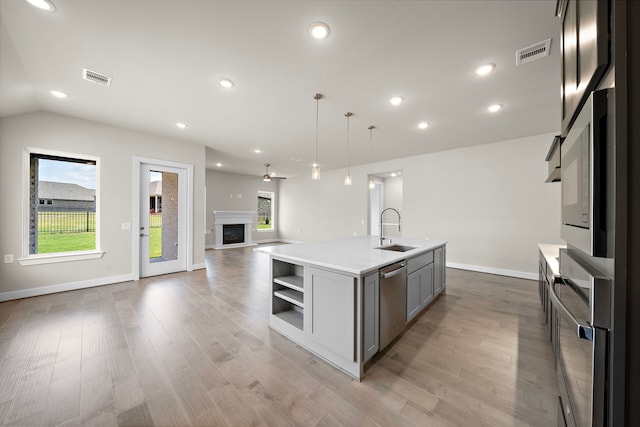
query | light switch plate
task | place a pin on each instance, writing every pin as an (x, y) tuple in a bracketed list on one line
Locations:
[(8, 258), (126, 226)]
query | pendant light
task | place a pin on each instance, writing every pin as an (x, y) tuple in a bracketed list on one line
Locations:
[(372, 184), (315, 170), (347, 177)]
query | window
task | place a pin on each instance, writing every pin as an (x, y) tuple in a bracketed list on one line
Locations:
[(265, 211), (62, 203)]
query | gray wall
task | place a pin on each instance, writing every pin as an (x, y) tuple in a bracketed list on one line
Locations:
[(490, 202), (234, 192), (116, 148)]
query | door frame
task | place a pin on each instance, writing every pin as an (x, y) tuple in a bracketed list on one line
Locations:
[(135, 228)]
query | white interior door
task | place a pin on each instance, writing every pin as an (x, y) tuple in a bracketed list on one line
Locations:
[(163, 230)]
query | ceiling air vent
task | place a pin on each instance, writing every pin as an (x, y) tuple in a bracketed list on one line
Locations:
[(95, 77), (531, 53)]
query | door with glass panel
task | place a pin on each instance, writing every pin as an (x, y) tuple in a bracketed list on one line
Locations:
[(162, 220)]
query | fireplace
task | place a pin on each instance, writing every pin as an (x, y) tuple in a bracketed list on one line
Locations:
[(232, 233), (233, 228)]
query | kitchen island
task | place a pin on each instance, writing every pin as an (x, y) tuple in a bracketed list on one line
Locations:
[(327, 297)]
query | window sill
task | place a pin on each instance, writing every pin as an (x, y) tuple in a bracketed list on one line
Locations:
[(60, 257)]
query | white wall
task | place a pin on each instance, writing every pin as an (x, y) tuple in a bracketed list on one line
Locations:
[(233, 192), (116, 148), (392, 199), (490, 202)]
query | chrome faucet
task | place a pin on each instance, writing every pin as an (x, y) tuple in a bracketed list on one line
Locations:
[(382, 238)]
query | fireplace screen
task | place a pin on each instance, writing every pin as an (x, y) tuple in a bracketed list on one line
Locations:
[(232, 233)]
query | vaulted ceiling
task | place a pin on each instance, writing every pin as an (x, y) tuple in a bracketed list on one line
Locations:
[(166, 56)]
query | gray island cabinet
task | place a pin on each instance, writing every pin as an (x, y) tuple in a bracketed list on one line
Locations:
[(325, 296)]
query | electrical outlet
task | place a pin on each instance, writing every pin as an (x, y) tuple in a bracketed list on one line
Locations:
[(8, 258)]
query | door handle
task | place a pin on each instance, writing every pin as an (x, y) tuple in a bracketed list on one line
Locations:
[(144, 235), (392, 273)]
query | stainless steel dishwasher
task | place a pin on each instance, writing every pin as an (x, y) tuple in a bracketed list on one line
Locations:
[(393, 301)]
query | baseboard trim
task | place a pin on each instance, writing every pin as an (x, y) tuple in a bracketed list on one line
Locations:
[(199, 266), (491, 270), (63, 287), (290, 241)]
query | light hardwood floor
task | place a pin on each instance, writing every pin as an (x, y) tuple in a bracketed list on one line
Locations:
[(195, 349)]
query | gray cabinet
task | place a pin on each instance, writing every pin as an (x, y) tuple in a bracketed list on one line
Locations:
[(419, 283), (370, 315), (287, 299), (331, 315), (439, 273)]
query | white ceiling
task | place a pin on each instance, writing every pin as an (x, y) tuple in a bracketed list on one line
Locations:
[(165, 57)]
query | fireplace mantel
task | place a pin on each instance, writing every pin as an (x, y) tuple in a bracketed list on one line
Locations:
[(221, 218)]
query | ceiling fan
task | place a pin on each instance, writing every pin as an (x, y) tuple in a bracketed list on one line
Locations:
[(267, 177)]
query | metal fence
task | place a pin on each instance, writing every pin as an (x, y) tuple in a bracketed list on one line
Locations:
[(66, 222), (155, 220)]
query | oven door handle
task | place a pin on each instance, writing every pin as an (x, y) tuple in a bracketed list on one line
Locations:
[(583, 330)]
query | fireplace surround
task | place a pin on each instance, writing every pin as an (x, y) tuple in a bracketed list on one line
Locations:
[(231, 226)]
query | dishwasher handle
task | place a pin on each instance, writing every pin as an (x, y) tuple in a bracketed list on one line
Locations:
[(392, 273)]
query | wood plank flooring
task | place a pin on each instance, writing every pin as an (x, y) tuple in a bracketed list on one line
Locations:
[(195, 349)]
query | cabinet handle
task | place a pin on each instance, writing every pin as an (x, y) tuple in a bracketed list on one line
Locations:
[(583, 330)]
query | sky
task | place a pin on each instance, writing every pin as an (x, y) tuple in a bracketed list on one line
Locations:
[(72, 173)]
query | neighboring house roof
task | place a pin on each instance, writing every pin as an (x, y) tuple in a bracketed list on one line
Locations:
[(155, 188), (64, 191)]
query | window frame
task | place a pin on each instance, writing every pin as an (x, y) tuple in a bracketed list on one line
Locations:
[(273, 212), (48, 258)]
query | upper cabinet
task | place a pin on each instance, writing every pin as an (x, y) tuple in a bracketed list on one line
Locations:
[(585, 52)]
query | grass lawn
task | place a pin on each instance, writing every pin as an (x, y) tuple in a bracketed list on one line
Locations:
[(66, 242), (263, 226), (69, 242)]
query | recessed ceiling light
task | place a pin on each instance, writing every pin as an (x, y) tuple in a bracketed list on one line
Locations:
[(226, 83), (219, 165), (257, 150), (494, 108), (396, 100), (42, 4), (58, 94), (181, 125), (484, 69), (393, 174), (319, 30), (423, 125)]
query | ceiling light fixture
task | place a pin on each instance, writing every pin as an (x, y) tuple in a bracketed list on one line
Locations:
[(347, 177), (396, 100), (181, 125), (315, 170), (58, 94), (372, 183), (219, 165), (43, 4), (495, 108), (319, 30), (226, 83), (485, 69), (266, 177), (423, 125)]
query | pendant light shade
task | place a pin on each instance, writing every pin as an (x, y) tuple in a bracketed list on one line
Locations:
[(315, 170), (372, 184), (347, 177)]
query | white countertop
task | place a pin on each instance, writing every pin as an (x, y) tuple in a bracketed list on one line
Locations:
[(356, 255), (551, 252)]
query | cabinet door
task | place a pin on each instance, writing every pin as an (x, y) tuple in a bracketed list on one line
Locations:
[(439, 272), (371, 319), (426, 285), (332, 314), (413, 294)]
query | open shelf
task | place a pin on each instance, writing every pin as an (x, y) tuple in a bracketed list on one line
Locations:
[(292, 317), (290, 295), (291, 281)]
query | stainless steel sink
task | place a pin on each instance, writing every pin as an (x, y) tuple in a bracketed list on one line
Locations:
[(396, 248)]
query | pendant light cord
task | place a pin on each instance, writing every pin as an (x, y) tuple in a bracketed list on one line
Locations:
[(317, 120), (348, 144)]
